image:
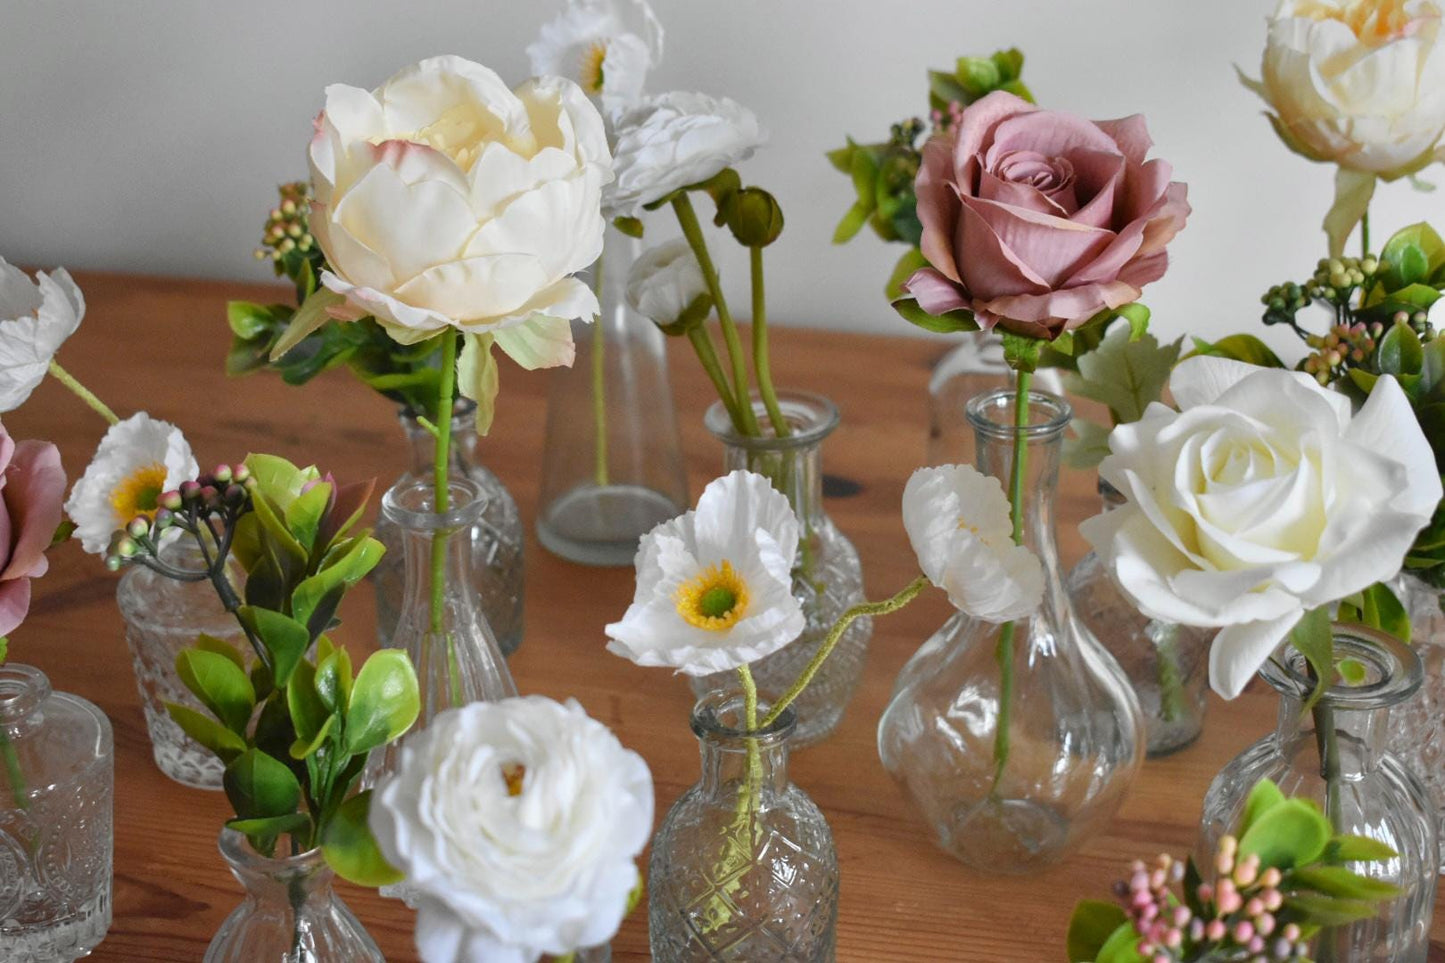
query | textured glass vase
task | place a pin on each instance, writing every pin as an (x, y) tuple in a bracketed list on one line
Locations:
[(740, 874), (496, 537), (1167, 664), (612, 466), (290, 913), (974, 366), (1377, 796), (162, 617), (56, 800), (827, 576), (1074, 736), (1417, 726)]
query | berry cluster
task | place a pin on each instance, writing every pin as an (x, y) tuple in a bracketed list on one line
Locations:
[(1343, 346), (944, 121), (222, 496), (286, 228)]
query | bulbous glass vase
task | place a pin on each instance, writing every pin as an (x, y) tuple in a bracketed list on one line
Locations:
[(1417, 725), (1373, 795), (1014, 763), (743, 870)]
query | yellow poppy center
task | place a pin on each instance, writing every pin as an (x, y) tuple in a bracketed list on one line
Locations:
[(1373, 21), (137, 493), (715, 600), (515, 775), (590, 70)]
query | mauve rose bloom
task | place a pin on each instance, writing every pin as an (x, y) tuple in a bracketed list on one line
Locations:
[(1036, 220), (32, 488)]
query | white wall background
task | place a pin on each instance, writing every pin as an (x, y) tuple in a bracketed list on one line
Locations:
[(148, 135)]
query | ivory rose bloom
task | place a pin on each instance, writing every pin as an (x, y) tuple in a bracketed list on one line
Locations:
[(665, 281), (1261, 498), (1036, 220), (32, 486), (35, 319)]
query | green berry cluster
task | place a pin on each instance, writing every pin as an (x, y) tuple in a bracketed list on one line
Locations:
[(1342, 347), (286, 240)]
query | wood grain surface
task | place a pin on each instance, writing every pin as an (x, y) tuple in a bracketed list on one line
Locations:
[(159, 344)]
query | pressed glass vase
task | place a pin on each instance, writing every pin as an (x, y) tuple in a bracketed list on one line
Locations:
[(290, 913), (495, 538), (612, 465), (1374, 794), (827, 576), (974, 366), (1167, 664), (743, 868), (1417, 726), (1014, 762), (56, 799), (163, 616)]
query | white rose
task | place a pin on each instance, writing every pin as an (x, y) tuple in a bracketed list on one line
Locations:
[(674, 140), (1261, 498), (591, 42), (35, 319), (517, 825), (665, 282)]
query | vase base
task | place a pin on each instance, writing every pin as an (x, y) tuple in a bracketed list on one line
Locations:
[(1007, 836), (601, 525), (56, 941)]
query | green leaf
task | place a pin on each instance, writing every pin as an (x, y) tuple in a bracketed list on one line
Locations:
[(851, 224), (207, 731), (385, 701), (308, 712), (272, 826), (1357, 849), (1262, 798), (1330, 910), (277, 479), (259, 786), (1353, 190), (1138, 317), (1412, 255), (302, 748), (909, 263), (310, 316), (209, 643), (1352, 671), (334, 680), (1124, 373), (1088, 446), (1338, 881), (351, 850), (1314, 639), (1121, 947), (1384, 611), (1240, 347), (350, 564), (248, 320), (1091, 927), (1289, 834), (222, 687), (286, 640), (305, 514), (950, 323), (944, 89), (477, 378), (1400, 351)]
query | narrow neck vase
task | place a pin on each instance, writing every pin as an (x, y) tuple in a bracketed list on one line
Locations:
[(1417, 726)]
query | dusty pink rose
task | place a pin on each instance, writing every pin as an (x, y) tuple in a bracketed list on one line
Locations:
[(32, 488), (1036, 220)]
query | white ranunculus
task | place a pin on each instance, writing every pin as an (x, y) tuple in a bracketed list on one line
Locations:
[(715, 586), (673, 140), (1261, 498), (518, 825), (959, 523), (35, 319), (137, 460), (665, 281), (592, 43)]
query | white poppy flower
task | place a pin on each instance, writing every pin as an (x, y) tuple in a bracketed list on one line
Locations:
[(715, 585), (959, 523), (138, 460), (518, 825), (664, 282), (674, 140), (35, 319), (1263, 497), (591, 43)]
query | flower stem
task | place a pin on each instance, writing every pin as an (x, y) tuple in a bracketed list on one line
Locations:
[(893, 604), (1004, 653), (82, 392), (599, 383), (707, 355), (1365, 233), (442, 498), (13, 773), (762, 366), (1328, 746), (687, 219), (750, 715)]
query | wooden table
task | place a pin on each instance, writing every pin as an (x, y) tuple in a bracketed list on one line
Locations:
[(159, 344)]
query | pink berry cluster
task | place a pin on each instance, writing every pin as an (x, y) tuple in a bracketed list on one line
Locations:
[(1344, 345), (222, 492), (286, 228), (944, 121)]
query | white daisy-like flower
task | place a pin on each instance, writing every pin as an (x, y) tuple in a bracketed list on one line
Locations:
[(592, 43), (959, 523), (714, 586), (35, 319), (138, 460)]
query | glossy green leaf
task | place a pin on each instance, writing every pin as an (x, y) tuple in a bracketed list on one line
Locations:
[(950, 323), (273, 826), (1289, 834), (351, 850), (1357, 849), (1339, 881), (334, 680), (1262, 798), (1138, 317), (1315, 640), (285, 639), (385, 701), (1090, 928), (221, 686), (1240, 347), (343, 567), (259, 786), (1412, 255), (904, 269), (207, 731), (306, 512), (209, 643), (278, 479), (1330, 910), (1351, 671), (1121, 947), (1400, 351), (308, 712), (248, 320), (301, 748)]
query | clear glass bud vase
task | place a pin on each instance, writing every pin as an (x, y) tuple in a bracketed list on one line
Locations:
[(975, 365), (1014, 763), (1167, 664), (612, 465), (1417, 725), (290, 913), (56, 799), (496, 538), (163, 616), (743, 870), (827, 576), (1374, 795)]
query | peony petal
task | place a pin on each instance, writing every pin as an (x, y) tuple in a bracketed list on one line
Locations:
[(476, 290), (542, 342), (413, 226)]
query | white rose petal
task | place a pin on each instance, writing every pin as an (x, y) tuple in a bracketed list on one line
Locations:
[(35, 319), (664, 281), (138, 459)]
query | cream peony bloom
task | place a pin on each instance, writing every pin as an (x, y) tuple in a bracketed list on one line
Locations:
[(518, 825), (665, 282), (715, 586), (137, 460), (591, 43), (959, 523), (675, 140), (35, 319), (1261, 498)]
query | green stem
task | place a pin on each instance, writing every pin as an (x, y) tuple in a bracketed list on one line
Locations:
[(442, 488), (599, 384), (906, 595), (1327, 743), (687, 219), (82, 392), (1004, 653), (1365, 233), (13, 773), (1171, 680), (707, 355), (762, 365), (750, 716)]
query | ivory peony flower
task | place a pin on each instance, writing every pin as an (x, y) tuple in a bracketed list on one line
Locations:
[(1036, 221), (675, 140), (714, 586), (35, 319), (517, 825), (959, 523), (1261, 498), (591, 43), (137, 460), (32, 486), (665, 282)]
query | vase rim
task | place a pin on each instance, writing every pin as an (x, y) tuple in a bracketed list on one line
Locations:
[(238, 852), (461, 408), (409, 503), (22, 689), (812, 417), (709, 712), (983, 410), (1393, 670)]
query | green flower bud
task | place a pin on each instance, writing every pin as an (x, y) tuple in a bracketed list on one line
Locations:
[(1370, 265), (754, 217), (139, 527)]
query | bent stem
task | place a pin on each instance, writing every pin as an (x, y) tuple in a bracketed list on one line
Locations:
[(1004, 653), (441, 488), (707, 356), (762, 365), (83, 393), (599, 384)]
